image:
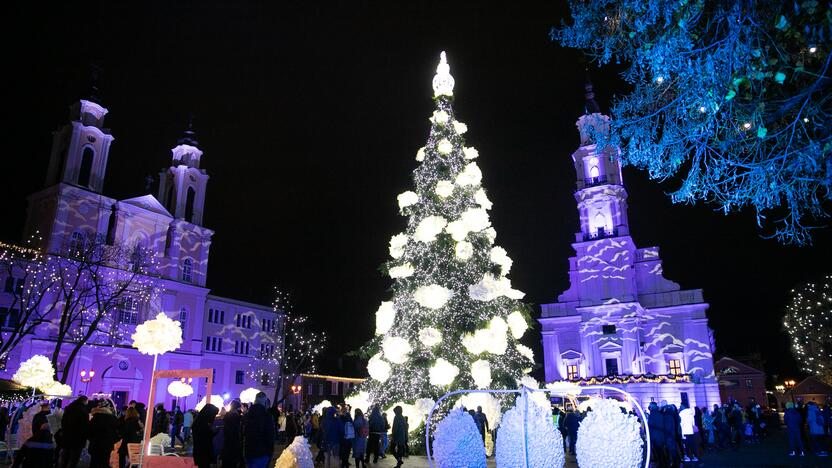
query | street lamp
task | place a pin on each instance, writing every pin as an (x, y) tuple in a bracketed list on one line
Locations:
[(86, 376), (789, 384), (296, 391)]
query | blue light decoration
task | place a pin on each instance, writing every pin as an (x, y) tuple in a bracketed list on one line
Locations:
[(730, 98)]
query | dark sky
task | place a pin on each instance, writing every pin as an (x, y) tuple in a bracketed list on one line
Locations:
[(310, 114)]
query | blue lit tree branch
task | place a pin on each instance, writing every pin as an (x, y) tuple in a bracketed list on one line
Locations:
[(808, 321), (732, 98)]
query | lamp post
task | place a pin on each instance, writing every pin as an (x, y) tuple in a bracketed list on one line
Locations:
[(296, 391), (86, 376), (185, 381), (789, 384)]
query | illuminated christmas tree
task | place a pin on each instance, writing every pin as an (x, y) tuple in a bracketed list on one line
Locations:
[(809, 323), (454, 320)]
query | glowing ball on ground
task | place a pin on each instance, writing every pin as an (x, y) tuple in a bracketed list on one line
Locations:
[(458, 442), (158, 336), (216, 400), (608, 437), (56, 388), (297, 455), (490, 406), (36, 372), (545, 443), (319, 408), (248, 395)]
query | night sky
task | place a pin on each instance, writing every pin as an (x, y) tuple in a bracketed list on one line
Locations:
[(310, 116)]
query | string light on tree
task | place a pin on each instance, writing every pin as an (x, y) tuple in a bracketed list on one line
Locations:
[(808, 321)]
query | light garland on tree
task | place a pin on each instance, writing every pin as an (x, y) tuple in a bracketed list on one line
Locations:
[(808, 321)]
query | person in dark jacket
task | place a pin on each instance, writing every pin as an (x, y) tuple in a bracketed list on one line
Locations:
[(347, 437), (671, 424), (103, 434), (377, 427), (161, 420), (793, 422), (232, 444), (4, 422), (333, 433), (40, 418), (74, 427), (572, 423), (131, 433), (399, 435), (177, 420), (658, 442), (37, 452), (203, 432), (258, 433)]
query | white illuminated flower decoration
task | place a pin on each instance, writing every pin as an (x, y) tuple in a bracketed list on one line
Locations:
[(378, 368), (395, 349), (457, 230), (444, 146), (470, 153), (490, 406), (407, 199), (444, 188), (608, 437), (401, 271), (414, 416), (481, 373), (430, 336), (475, 343), (35, 372), (491, 235), (429, 227), (248, 395), (517, 324), (475, 219), (158, 336), (420, 155), (460, 127), (424, 405), (360, 400), (470, 176), (525, 351), (482, 200), (457, 442), (216, 400), (298, 454), (500, 257), (439, 117), (397, 244), (433, 296), (55, 388), (492, 339), (180, 389), (543, 444), (491, 287), (320, 407), (442, 372), (464, 250), (385, 317)]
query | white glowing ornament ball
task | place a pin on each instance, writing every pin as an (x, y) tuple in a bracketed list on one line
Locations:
[(180, 389), (385, 316), (319, 408), (429, 227), (442, 372), (430, 336), (360, 400), (481, 373), (35, 372), (444, 146), (470, 176), (500, 257), (378, 368), (444, 188), (443, 82), (457, 229), (395, 349), (397, 245), (248, 395), (433, 296), (525, 351), (440, 117), (406, 199), (517, 324), (158, 336), (401, 271), (420, 155), (475, 219), (464, 250), (460, 127), (482, 200), (470, 153), (216, 400)]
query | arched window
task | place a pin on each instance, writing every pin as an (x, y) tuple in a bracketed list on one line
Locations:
[(76, 243), (111, 227), (600, 222), (187, 270), (593, 171), (86, 167), (183, 317), (168, 240), (170, 202), (189, 205)]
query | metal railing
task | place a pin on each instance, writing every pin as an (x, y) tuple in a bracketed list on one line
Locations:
[(593, 181), (601, 234)]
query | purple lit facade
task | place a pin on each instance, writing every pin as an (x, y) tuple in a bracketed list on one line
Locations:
[(219, 333), (621, 322)]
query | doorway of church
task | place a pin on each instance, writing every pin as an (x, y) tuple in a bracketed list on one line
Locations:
[(119, 399)]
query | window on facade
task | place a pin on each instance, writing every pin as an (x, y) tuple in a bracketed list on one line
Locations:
[(76, 243), (264, 379), (238, 377), (129, 311), (321, 389), (211, 316), (4, 314), (222, 317), (608, 329), (183, 317), (309, 389), (748, 383), (611, 365), (237, 319), (593, 171), (213, 376), (187, 270), (334, 388), (189, 205), (675, 366), (85, 171), (571, 371), (111, 227)]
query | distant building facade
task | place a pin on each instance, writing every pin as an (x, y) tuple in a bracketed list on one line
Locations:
[(621, 322), (220, 333), (311, 389), (740, 382)]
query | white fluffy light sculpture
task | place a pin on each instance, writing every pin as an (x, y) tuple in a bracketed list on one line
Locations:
[(490, 406), (180, 389), (248, 395), (55, 388), (545, 444), (378, 368), (443, 372), (360, 400), (319, 408), (35, 372), (297, 455), (414, 414), (216, 400), (608, 437), (458, 442)]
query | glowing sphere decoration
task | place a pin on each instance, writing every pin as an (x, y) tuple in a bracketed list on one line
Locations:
[(180, 389), (55, 388), (248, 395), (35, 372), (158, 336), (216, 400)]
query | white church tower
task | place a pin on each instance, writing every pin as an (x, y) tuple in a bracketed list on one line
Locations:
[(182, 185)]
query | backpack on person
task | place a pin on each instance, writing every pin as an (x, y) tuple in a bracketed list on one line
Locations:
[(349, 430)]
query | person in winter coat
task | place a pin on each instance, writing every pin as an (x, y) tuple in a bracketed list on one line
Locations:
[(232, 443), (347, 437), (74, 427), (333, 433), (41, 418), (687, 424), (815, 423), (258, 433), (177, 420), (37, 452), (203, 430), (385, 439), (376, 427), (359, 444), (161, 420), (399, 435), (672, 433), (103, 434), (131, 433), (571, 422), (655, 422), (793, 422), (187, 422)]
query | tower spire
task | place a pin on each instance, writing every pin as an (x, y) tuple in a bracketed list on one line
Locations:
[(93, 94), (443, 82), (590, 105), (189, 135)]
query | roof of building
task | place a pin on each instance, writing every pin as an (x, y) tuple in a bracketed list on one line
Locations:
[(728, 366), (812, 385), (227, 300)]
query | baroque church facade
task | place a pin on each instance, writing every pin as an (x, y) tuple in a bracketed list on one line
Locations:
[(220, 333), (621, 322)]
